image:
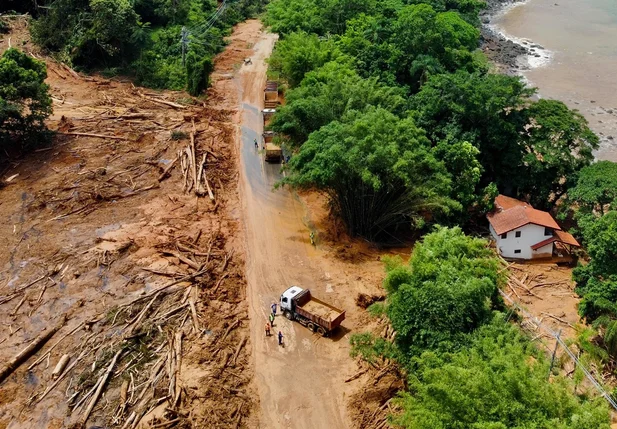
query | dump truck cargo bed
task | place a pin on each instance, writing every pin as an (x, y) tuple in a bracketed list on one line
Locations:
[(319, 312)]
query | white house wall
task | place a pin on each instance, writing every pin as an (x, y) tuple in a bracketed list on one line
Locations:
[(530, 234), (543, 252)]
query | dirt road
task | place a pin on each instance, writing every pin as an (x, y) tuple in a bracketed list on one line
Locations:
[(297, 382), (301, 385)]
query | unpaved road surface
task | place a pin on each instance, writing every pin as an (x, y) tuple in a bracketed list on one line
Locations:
[(301, 384)]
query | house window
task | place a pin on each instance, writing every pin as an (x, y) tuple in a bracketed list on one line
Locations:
[(517, 234), (548, 231), (517, 251), (504, 235)]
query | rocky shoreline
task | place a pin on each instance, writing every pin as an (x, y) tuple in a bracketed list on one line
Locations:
[(502, 52)]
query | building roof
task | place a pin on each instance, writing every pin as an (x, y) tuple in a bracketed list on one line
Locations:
[(511, 214), (566, 238), (560, 236), (505, 203)]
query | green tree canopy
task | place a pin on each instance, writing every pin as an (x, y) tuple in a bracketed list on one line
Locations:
[(494, 384), (368, 40), (300, 53), (24, 101), (529, 149), (315, 16), (556, 144), (595, 190), (430, 42), (141, 38), (447, 293), (597, 280), (326, 94), (468, 9), (90, 32), (378, 171)]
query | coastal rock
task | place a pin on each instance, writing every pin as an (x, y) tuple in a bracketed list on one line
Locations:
[(498, 49)]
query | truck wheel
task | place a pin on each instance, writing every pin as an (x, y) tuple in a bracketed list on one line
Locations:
[(321, 331), (289, 315), (311, 327)]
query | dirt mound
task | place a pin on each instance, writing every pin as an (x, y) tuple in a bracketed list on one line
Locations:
[(364, 300)]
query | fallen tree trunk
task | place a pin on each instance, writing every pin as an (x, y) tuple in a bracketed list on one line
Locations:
[(99, 390), (167, 170), (26, 353), (167, 103), (100, 136)]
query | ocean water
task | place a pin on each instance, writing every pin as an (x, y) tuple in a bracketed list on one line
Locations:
[(575, 57)]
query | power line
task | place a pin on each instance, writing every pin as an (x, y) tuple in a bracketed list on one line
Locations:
[(557, 338), (203, 29), (184, 40)]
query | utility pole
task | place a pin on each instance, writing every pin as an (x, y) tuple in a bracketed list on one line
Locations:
[(184, 41), (555, 353)]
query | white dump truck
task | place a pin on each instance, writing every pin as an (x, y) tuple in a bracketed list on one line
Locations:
[(298, 304)]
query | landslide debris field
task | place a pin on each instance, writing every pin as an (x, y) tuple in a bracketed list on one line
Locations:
[(122, 239)]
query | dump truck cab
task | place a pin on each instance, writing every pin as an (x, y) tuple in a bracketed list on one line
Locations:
[(287, 296), (318, 316)]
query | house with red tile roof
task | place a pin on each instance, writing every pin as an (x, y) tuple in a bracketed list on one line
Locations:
[(522, 232)]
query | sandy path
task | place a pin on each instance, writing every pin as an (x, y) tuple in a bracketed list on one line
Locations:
[(300, 385)]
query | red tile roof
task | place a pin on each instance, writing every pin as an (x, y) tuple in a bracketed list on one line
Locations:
[(560, 236), (567, 238), (512, 214), (505, 203), (544, 243)]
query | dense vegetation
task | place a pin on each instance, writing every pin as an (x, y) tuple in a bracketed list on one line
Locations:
[(393, 112), (418, 61), (141, 37), (467, 366), (24, 102)]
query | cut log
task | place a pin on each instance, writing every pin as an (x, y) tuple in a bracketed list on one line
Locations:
[(165, 102), (514, 290), (100, 136), (64, 360), (168, 285), (199, 189), (165, 172), (194, 313), (184, 259), (99, 390), (559, 319), (242, 342), (521, 284), (549, 283), (357, 375), (32, 348)]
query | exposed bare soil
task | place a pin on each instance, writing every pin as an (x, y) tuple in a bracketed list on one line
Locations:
[(90, 220)]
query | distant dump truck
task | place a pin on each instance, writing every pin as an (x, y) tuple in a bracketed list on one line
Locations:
[(271, 94), (268, 114), (273, 152), (298, 304)]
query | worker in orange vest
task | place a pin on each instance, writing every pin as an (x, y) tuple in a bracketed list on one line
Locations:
[(267, 329)]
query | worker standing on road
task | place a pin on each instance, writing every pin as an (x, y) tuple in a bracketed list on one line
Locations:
[(271, 319), (256, 145), (280, 338), (273, 308), (267, 329)]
